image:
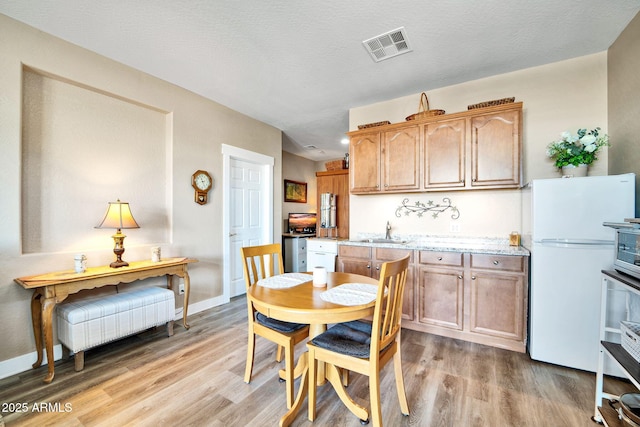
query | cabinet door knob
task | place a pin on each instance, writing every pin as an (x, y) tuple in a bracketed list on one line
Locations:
[(439, 258), (377, 267), (496, 262), (459, 276), (368, 266), (473, 277)]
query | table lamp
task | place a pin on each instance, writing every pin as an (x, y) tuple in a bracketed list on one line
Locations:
[(118, 216)]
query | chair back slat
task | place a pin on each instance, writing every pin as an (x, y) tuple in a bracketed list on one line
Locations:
[(387, 314), (260, 262)]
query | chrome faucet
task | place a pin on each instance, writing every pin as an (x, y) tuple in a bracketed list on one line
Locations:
[(388, 234)]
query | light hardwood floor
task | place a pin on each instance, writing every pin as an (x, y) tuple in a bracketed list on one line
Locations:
[(196, 378)]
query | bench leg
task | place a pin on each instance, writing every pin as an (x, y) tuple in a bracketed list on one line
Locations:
[(79, 361), (170, 328)]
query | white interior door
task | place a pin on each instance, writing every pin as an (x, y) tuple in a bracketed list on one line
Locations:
[(248, 210)]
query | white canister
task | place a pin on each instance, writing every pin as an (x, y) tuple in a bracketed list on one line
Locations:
[(80, 263), (155, 254), (319, 277)]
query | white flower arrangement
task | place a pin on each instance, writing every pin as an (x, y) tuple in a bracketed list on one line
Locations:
[(577, 149)]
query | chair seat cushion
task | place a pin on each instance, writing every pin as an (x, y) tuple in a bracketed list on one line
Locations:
[(278, 325), (350, 338)]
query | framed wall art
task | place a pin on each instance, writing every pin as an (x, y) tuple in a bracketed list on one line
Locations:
[(295, 191)]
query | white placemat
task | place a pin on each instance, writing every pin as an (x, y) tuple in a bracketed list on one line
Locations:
[(351, 294), (286, 280)]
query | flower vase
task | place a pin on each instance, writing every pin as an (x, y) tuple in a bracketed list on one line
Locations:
[(575, 171)]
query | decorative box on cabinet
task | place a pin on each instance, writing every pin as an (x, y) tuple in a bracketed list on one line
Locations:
[(474, 149)]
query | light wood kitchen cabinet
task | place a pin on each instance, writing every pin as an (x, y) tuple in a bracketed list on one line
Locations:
[(355, 259), (336, 182), (388, 161), (473, 297), (498, 282), (367, 261), (495, 149), (365, 172), (474, 149), (401, 159), (479, 298), (440, 296), (444, 159)]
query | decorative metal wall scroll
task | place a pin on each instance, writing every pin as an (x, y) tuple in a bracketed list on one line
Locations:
[(420, 208)]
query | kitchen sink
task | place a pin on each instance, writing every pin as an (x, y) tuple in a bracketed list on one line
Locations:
[(397, 242)]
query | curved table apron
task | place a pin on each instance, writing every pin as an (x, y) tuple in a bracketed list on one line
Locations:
[(303, 304)]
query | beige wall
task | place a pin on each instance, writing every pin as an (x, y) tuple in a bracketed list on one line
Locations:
[(624, 103), (561, 96), (195, 130), (299, 169)]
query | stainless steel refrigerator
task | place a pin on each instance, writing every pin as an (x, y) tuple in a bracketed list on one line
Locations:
[(569, 248)]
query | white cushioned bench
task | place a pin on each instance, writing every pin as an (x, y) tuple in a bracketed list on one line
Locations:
[(89, 322)]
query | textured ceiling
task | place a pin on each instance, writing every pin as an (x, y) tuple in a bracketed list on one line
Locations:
[(300, 65)]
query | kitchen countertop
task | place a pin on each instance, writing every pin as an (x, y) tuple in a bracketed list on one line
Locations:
[(298, 234), (481, 245)]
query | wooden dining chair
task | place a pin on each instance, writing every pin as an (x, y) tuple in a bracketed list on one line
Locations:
[(261, 262), (365, 347)]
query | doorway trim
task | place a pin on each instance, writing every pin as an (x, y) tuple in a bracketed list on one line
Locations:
[(267, 162)]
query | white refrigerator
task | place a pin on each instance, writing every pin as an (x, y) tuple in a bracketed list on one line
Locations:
[(569, 248)]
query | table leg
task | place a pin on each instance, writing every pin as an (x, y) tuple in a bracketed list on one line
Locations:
[(314, 331), (36, 322), (47, 329), (185, 301), (288, 418)]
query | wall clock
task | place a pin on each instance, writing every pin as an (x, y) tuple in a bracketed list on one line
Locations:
[(201, 182)]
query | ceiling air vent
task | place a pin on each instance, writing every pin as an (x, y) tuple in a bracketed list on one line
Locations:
[(387, 45)]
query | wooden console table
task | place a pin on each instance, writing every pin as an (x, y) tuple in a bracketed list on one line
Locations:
[(52, 288)]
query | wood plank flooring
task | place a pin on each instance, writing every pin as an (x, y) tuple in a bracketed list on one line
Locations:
[(195, 378)]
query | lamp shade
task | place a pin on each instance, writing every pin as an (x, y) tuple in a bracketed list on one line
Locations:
[(118, 216)]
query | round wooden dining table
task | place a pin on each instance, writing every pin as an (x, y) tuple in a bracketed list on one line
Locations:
[(302, 304)]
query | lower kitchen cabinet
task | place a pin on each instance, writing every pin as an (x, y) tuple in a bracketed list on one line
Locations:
[(497, 297), (367, 261), (479, 298), (440, 289)]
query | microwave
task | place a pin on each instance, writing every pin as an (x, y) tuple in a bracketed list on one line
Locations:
[(627, 257)]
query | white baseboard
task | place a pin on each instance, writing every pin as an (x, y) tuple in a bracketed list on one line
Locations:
[(24, 362)]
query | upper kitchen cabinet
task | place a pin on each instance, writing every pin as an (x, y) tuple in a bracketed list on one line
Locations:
[(444, 159), (495, 149), (386, 161), (474, 149), (365, 172), (401, 159)]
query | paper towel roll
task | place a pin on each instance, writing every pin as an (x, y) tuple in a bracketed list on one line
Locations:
[(319, 276)]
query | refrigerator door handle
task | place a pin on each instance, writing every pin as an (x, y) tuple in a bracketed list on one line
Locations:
[(586, 242)]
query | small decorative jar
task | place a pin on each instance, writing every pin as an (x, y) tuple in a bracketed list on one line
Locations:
[(80, 263), (155, 254)]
